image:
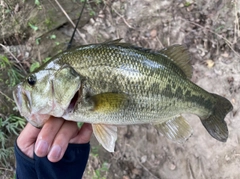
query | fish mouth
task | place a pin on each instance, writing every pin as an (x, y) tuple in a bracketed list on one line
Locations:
[(73, 102), (20, 96), (17, 96), (23, 101)]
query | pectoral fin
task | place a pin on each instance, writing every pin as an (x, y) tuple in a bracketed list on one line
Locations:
[(106, 135), (109, 102), (176, 129)]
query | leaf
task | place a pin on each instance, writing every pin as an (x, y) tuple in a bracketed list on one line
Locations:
[(5, 59), (38, 41), (105, 166), (37, 2), (46, 59), (34, 66), (210, 63), (35, 28), (80, 124), (53, 36), (187, 4)]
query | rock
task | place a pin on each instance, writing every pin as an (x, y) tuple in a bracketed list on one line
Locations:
[(144, 159), (153, 33)]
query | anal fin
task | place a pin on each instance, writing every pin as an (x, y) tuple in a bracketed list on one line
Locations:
[(176, 129), (106, 135)]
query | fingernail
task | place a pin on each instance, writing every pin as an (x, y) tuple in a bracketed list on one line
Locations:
[(55, 152), (41, 148)]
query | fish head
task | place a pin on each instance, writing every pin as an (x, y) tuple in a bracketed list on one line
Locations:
[(47, 92)]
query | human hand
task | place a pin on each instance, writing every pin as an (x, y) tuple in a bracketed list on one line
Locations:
[(52, 140)]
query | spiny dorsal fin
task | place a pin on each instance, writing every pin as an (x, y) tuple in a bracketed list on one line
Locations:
[(116, 41), (176, 129), (180, 56), (128, 45)]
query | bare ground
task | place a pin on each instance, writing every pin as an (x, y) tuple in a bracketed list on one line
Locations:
[(211, 32)]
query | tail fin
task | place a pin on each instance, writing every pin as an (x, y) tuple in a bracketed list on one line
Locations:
[(215, 124)]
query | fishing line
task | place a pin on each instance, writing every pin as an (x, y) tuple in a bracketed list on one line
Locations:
[(70, 42)]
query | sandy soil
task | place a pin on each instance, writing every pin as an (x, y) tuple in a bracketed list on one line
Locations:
[(211, 32)]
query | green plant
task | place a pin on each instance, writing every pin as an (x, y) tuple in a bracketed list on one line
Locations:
[(187, 4), (98, 1), (13, 74), (91, 10), (46, 59), (34, 66), (57, 43), (80, 124), (38, 4), (101, 173), (48, 22), (53, 36), (34, 27), (5, 153), (103, 167), (94, 151), (38, 40), (9, 126)]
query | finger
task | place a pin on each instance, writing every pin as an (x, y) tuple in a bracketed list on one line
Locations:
[(83, 135), (47, 135), (68, 130), (27, 138)]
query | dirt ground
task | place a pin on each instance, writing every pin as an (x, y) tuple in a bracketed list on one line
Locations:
[(210, 30)]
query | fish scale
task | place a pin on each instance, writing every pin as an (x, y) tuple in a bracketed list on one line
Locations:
[(134, 63), (116, 83)]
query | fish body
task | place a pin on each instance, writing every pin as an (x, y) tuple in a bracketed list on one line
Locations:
[(114, 83)]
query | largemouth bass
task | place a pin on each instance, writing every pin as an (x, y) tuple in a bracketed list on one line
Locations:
[(115, 83)]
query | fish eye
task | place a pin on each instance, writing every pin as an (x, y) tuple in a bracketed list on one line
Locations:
[(31, 80)]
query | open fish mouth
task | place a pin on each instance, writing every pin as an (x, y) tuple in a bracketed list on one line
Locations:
[(73, 102)]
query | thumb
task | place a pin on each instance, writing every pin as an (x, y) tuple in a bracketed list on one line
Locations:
[(27, 138)]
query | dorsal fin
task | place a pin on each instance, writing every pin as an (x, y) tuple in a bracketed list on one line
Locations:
[(116, 41), (180, 56)]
